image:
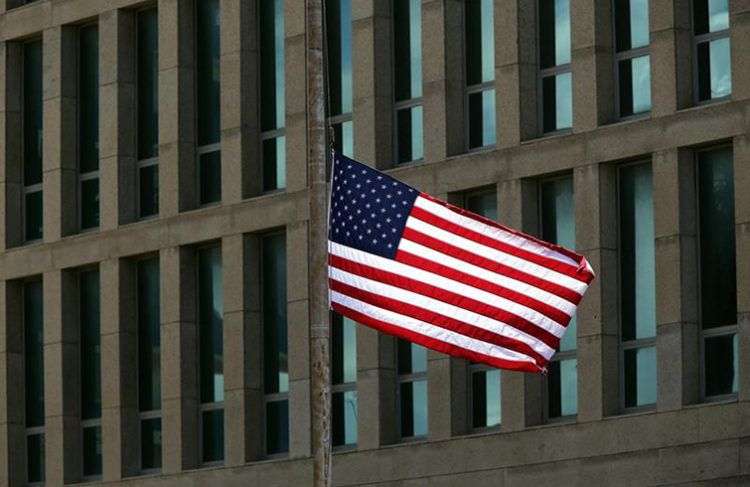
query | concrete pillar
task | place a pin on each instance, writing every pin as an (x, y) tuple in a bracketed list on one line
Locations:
[(443, 78), (119, 342), (240, 136), (177, 165), (62, 378), (591, 62), (447, 393), (671, 56), (12, 405), (298, 336), (595, 189), (243, 348), (677, 350), (376, 389), (739, 22), (117, 136), (179, 372), (372, 66), (522, 393), (11, 144), (296, 96), (60, 75), (742, 235), (516, 71)]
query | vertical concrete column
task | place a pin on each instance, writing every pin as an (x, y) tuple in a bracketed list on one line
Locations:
[(522, 393), (117, 136), (179, 373), (295, 96), (516, 69), (177, 166), (373, 82), (11, 144), (443, 78), (243, 348), (742, 235), (677, 350), (671, 56), (62, 378), (119, 341), (739, 21), (376, 389), (60, 74), (298, 333), (240, 136), (12, 405), (591, 58), (595, 189)]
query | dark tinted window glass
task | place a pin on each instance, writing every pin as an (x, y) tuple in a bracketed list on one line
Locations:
[(412, 358), (339, 25), (554, 32), (33, 208), (35, 458), (32, 113), (91, 392), (210, 316), (485, 391), (90, 203), (640, 376), (714, 69), (635, 85), (480, 42), (484, 204), (92, 451), (631, 24), (407, 26), (409, 121), (274, 163), (482, 118), (413, 405), (717, 239), (563, 388), (274, 314), (210, 177), (277, 427), (33, 323), (343, 350), (213, 436), (148, 86), (710, 15), (344, 424), (207, 70), (151, 443), (722, 359), (557, 102), (148, 180), (272, 64), (88, 99), (149, 340)]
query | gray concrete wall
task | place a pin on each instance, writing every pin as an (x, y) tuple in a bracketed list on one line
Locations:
[(680, 440)]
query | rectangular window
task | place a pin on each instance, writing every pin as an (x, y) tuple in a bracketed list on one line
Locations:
[(33, 329), (32, 140), (147, 106), (480, 72), (632, 57), (88, 126), (407, 52), (207, 62), (211, 354), (344, 380), (558, 226), (713, 67), (149, 362), (637, 286), (718, 272), (275, 364), (339, 31), (412, 389), (272, 104), (555, 76), (91, 383), (484, 381)]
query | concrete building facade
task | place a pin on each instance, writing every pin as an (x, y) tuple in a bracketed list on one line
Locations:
[(226, 234)]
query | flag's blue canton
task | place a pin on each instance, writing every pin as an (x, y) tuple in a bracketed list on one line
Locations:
[(368, 208)]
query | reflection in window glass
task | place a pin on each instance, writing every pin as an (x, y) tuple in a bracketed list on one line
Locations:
[(412, 370), (343, 379), (713, 64), (640, 376), (407, 21), (339, 31), (409, 126), (631, 24), (480, 72), (272, 106)]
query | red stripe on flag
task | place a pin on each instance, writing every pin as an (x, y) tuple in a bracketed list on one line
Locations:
[(432, 343), (441, 294), (456, 275), (436, 319), (491, 265), (561, 267)]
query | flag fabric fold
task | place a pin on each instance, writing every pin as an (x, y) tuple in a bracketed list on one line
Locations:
[(410, 265)]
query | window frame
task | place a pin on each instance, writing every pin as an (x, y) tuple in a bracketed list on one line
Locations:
[(626, 55), (551, 72), (638, 343), (411, 377), (726, 330), (697, 40)]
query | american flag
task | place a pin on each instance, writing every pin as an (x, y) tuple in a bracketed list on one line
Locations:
[(413, 266)]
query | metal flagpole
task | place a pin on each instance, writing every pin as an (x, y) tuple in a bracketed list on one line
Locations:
[(317, 246)]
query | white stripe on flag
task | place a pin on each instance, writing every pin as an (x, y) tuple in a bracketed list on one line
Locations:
[(428, 330)]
